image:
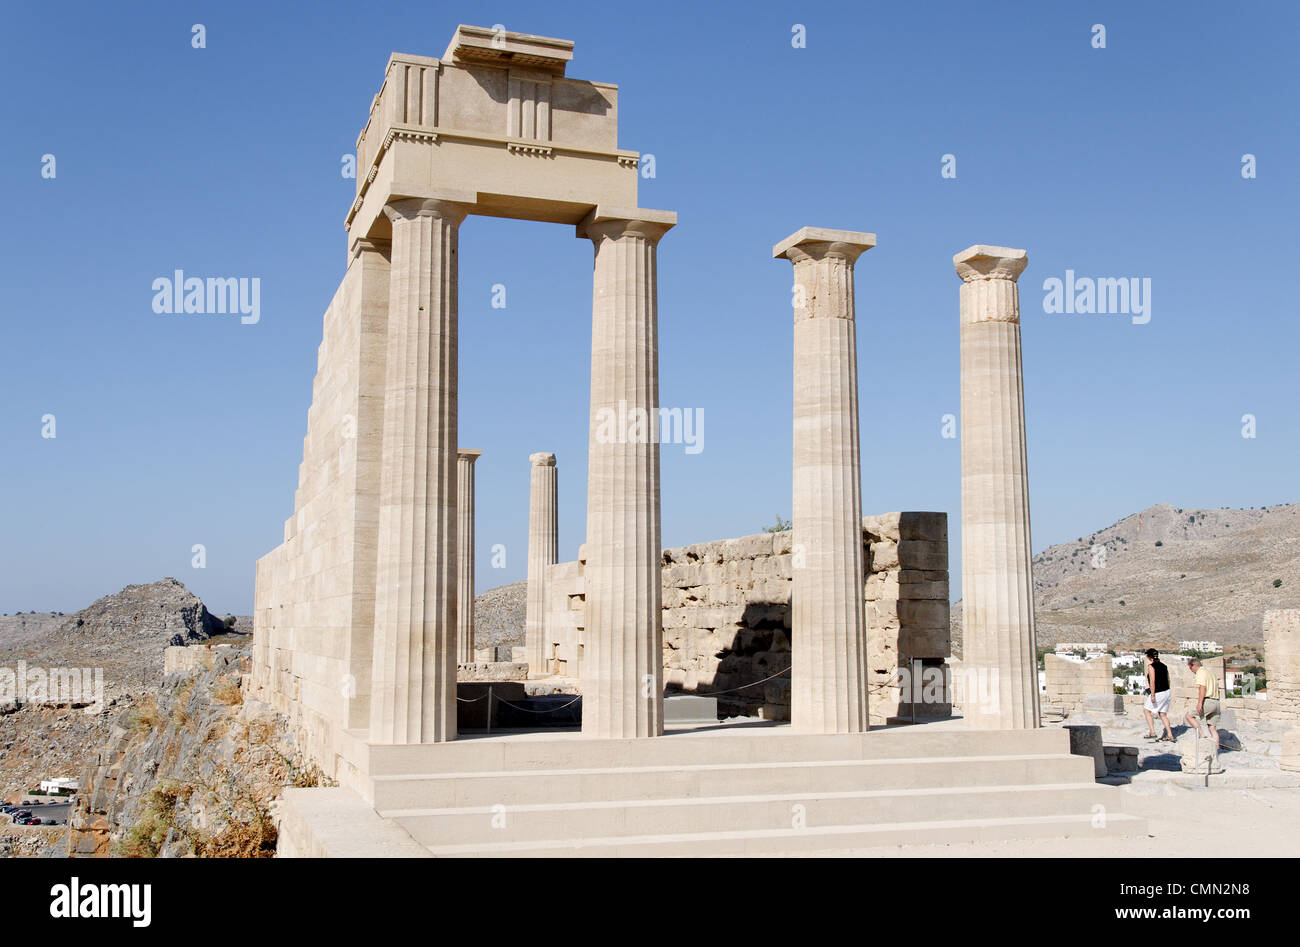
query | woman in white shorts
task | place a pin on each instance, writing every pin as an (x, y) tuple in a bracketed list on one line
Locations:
[(1158, 695)]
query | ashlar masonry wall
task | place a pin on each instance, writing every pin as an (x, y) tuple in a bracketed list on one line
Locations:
[(726, 617)]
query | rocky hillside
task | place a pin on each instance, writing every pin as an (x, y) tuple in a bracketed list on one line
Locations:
[(188, 770), (1167, 574), (499, 616), (124, 633)]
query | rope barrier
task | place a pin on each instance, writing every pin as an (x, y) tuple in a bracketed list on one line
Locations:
[(527, 711), (740, 688)]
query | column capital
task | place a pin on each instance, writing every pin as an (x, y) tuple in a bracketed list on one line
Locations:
[(468, 454), (413, 207), (542, 459), (614, 222), (369, 245), (819, 243), (982, 262)]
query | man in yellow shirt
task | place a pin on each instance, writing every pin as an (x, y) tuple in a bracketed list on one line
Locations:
[(1208, 694)]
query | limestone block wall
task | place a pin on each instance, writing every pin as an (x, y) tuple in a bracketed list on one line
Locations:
[(1069, 681), (564, 618), (1282, 664), (726, 616), (314, 594), (908, 613)]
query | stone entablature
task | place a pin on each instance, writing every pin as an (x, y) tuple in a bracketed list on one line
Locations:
[(496, 124)]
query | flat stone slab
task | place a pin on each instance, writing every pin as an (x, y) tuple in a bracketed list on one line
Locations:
[(334, 822), (492, 671)]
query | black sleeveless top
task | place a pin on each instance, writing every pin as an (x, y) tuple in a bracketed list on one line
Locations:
[(1162, 676)]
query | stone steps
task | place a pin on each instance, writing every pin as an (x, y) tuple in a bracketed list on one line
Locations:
[(691, 781), (693, 746), (729, 791), (446, 829), (825, 840), (711, 792)]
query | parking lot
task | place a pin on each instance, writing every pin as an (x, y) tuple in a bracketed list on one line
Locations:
[(50, 813)]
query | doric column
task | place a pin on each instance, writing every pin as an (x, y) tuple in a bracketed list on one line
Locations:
[(622, 666), (543, 551), (465, 554), (997, 578), (413, 687), (828, 675)]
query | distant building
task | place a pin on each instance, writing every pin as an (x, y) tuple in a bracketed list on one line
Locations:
[(1132, 683), (59, 784), (1205, 647), (1087, 647)]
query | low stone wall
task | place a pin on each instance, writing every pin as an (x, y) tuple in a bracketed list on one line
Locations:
[(183, 659), (492, 671), (726, 617), (1070, 682)]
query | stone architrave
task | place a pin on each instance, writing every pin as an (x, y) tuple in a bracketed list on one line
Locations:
[(828, 621), (413, 685), (465, 554), (622, 667), (997, 577), (543, 551)]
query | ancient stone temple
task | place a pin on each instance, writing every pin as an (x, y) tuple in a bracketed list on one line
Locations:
[(357, 611), (823, 636)]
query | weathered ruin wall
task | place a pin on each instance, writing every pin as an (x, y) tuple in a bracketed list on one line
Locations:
[(726, 616), (1069, 681)]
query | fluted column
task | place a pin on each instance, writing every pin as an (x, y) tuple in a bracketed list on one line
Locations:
[(828, 676), (622, 667), (413, 686), (543, 551), (999, 646), (465, 554)]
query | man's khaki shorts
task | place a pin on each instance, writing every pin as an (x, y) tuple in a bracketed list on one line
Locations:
[(1210, 712)]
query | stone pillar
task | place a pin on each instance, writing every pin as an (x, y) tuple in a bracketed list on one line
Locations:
[(413, 684), (1282, 664), (465, 554), (999, 645), (543, 551), (828, 673), (622, 666)]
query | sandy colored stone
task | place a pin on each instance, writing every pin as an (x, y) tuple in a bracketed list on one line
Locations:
[(997, 577), (828, 622), (465, 458)]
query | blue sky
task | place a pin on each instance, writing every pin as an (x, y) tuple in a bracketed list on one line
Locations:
[(1116, 162)]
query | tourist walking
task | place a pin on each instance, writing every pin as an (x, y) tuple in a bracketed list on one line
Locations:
[(1208, 695), (1157, 701)]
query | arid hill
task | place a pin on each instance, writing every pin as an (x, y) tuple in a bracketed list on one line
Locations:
[(1167, 574)]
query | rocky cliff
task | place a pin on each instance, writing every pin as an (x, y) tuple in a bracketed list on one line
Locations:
[(191, 770)]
